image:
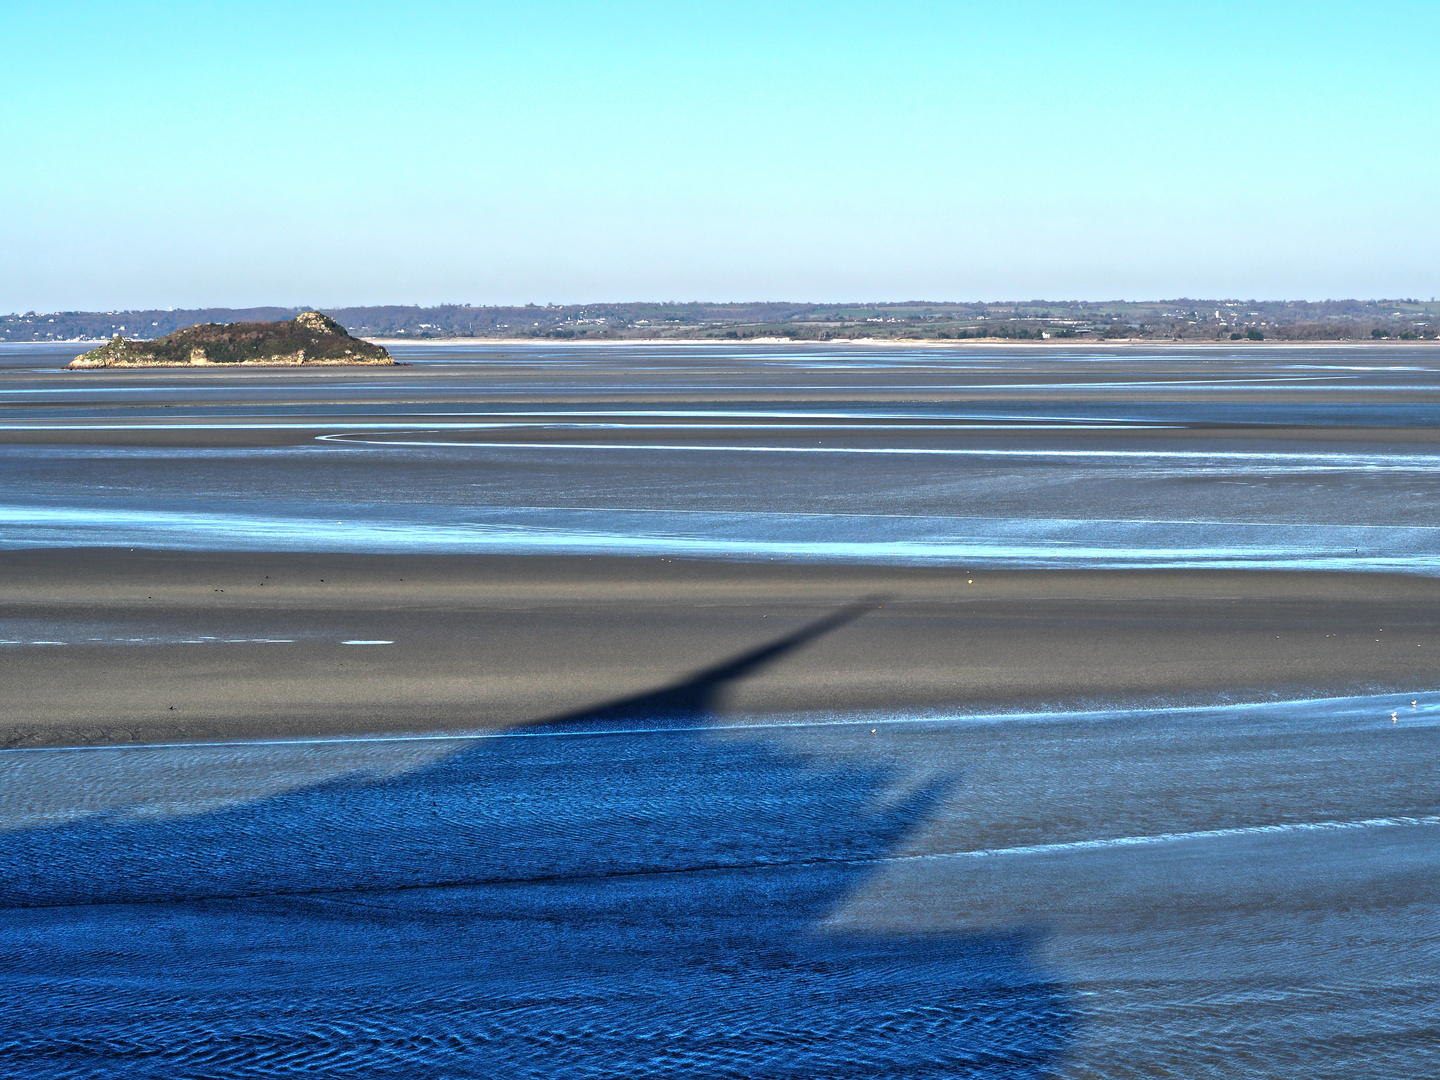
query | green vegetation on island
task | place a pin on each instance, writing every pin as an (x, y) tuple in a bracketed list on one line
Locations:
[(309, 338)]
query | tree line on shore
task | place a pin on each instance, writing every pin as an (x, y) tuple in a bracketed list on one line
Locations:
[(1182, 319)]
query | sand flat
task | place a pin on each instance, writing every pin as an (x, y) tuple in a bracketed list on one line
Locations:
[(1066, 714), (155, 646)]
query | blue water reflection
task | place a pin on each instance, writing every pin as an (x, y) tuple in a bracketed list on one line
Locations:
[(871, 538)]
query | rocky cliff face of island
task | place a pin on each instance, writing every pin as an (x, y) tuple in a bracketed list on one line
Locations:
[(310, 338)]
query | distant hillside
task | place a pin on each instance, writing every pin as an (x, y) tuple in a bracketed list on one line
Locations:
[(309, 338), (1183, 319)]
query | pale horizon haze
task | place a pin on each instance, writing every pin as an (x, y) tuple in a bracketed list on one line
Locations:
[(183, 155)]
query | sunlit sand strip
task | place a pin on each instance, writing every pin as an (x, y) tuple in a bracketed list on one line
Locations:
[(1421, 703), (1173, 838), (158, 641), (990, 424), (1086, 390), (1330, 461), (476, 416)]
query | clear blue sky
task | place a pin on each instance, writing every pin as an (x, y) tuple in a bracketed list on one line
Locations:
[(188, 153)]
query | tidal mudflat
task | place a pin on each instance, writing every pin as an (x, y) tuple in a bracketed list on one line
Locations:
[(1320, 458), (722, 711)]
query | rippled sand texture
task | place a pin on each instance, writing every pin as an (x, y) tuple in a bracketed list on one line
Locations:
[(1102, 894)]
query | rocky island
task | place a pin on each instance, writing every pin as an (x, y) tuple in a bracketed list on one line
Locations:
[(309, 338)]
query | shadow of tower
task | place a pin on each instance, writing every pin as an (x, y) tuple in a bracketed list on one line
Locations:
[(610, 893)]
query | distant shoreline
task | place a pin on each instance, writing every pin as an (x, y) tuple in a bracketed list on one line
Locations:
[(1051, 343), (1182, 319)]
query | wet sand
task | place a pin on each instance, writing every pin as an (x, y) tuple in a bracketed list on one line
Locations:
[(1296, 459), (163, 646), (929, 793)]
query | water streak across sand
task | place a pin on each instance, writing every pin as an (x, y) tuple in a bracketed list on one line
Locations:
[(1102, 843), (851, 537)]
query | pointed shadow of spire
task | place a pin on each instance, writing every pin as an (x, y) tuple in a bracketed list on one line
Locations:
[(698, 695), (643, 903)]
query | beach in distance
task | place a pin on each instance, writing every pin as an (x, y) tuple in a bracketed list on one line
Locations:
[(1191, 320), (1058, 343)]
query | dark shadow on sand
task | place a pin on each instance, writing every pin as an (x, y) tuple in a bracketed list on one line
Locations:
[(613, 893)]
